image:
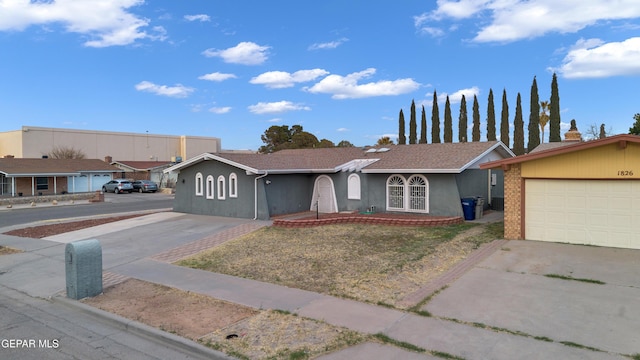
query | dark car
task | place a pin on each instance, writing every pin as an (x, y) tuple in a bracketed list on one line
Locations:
[(145, 186), (117, 186)]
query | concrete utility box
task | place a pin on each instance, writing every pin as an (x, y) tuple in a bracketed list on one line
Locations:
[(83, 268)]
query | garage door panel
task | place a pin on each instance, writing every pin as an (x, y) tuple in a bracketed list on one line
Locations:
[(601, 213)]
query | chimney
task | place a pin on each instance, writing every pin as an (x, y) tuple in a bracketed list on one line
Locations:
[(573, 135), (108, 159)]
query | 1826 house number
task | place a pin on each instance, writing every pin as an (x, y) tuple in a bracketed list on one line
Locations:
[(625, 172)]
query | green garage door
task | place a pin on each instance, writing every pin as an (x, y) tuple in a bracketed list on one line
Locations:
[(594, 212)]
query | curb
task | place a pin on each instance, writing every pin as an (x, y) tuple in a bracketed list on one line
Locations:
[(192, 348)]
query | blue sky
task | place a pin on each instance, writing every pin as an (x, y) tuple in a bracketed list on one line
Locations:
[(341, 69)]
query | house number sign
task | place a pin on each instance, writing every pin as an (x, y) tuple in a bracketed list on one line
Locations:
[(625, 172)]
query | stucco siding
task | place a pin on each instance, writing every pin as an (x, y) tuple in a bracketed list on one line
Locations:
[(289, 193), (240, 206)]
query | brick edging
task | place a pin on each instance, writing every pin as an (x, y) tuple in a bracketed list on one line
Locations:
[(372, 220)]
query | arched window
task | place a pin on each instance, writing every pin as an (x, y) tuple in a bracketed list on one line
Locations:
[(418, 191), (411, 195), (199, 184), (395, 192), (233, 185), (353, 187), (221, 188), (210, 187)]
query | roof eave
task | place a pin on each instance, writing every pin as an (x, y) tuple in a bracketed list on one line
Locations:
[(417, 171)]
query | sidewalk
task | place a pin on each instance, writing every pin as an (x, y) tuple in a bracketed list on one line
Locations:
[(44, 261)]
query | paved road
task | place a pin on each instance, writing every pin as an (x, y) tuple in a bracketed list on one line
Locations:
[(35, 329), (113, 204)]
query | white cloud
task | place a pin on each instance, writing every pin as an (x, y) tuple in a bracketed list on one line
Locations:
[(347, 87), (281, 79), (342, 129), (245, 53), (177, 91), (217, 76), (106, 22), (595, 59), (276, 107), (275, 120), (199, 17), (328, 45), (456, 97), (513, 20), (220, 110)]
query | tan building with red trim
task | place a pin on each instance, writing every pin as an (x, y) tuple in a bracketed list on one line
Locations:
[(580, 192)]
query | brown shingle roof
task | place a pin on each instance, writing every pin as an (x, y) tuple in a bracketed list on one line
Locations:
[(142, 165), (435, 157), (18, 166)]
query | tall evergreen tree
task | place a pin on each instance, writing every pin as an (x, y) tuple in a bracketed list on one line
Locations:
[(413, 126), (462, 121), (534, 117), (504, 120), (402, 138), (475, 134), (423, 127), (518, 131), (435, 120), (491, 118), (635, 129), (554, 112), (448, 122)]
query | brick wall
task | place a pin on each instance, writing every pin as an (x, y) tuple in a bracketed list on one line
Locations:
[(512, 203)]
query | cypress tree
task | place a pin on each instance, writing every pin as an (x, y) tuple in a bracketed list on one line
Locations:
[(462, 121), (491, 118), (534, 117), (423, 127), (402, 139), (475, 134), (448, 122), (504, 120), (413, 126), (554, 112), (518, 131), (435, 120)]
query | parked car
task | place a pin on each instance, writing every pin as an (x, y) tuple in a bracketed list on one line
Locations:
[(117, 186), (145, 186)]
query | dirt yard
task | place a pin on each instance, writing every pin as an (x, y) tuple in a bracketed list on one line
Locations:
[(385, 264)]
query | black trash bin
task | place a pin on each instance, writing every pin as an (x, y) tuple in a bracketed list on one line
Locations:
[(469, 208)]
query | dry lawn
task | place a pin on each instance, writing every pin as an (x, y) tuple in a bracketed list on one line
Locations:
[(376, 264), (5, 250), (238, 330)]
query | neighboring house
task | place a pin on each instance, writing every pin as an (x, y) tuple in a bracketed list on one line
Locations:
[(580, 193), (144, 170), (421, 178), (30, 177)]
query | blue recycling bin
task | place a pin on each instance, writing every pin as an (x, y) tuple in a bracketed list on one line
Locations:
[(469, 208)]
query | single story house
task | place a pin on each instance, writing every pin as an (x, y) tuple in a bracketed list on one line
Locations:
[(420, 178), (43, 176), (579, 193), (143, 170)]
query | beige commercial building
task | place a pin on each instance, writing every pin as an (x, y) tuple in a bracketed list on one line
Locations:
[(36, 142)]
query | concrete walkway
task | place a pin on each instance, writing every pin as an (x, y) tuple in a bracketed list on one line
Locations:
[(149, 250)]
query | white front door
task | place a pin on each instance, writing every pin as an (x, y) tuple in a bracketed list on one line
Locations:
[(324, 195)]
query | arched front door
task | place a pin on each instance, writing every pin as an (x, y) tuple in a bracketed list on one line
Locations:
[(324, 195)]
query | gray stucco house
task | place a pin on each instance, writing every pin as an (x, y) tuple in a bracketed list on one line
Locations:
[(422, 178)]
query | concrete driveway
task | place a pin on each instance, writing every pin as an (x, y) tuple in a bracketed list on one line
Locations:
[(512, 290)]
